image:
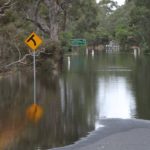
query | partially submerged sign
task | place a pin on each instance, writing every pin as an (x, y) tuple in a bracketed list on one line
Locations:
[(78, 42), (33, 41)]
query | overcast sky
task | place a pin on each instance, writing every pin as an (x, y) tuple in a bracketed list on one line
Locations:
[(120, 2)]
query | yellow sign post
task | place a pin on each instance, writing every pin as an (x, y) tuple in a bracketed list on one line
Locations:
[(33, 41), (34, 112)]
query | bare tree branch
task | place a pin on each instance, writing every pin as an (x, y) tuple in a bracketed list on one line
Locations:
[(51, 25), (36, 9), (39, 25), (18, 61), (35, 20), (42, 51), (64, 4), (5, 7)]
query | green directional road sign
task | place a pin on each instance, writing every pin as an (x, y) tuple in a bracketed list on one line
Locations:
[(78, 42)]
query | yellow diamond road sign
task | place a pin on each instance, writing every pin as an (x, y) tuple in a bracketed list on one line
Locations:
[(33, 41)]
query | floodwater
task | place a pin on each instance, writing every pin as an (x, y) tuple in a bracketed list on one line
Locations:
[(89, 89)]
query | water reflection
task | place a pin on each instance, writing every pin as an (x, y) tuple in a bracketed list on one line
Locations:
[(34, 113), (106, 86), (68, 58), (92, 53), (114, 98), (141, 85)]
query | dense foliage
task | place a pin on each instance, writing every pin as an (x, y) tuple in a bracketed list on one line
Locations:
[(130, 24), (58, 21)]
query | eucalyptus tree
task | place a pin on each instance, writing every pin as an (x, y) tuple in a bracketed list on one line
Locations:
[(82, 18), (45, 15), (119, 24), (140, 22), (106, 11)]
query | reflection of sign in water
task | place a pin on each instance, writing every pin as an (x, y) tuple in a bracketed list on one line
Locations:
[(33, 41), (34, 113), (78, 42)]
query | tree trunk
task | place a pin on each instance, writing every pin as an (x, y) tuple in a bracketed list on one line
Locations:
[(65, 20), (53, 19)]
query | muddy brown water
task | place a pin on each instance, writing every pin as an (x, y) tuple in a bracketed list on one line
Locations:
[(88, 89)]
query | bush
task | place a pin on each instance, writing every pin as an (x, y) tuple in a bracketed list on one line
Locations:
[(65, 38)]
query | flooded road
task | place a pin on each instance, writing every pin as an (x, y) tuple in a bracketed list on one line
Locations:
[(89, 89)]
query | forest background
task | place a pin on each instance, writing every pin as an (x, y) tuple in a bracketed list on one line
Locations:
[(58, 21)]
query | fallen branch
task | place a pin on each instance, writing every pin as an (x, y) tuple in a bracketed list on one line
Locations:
[(25, 56), (18, 61)]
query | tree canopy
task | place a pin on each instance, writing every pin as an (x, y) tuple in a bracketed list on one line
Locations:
[(60, 20)]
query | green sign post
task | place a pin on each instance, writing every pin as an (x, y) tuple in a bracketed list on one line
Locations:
[(78, 42)]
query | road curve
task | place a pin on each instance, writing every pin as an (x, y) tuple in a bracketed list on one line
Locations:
[(117, 134)]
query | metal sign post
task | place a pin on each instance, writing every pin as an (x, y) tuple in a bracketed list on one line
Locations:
[(34, 112), (34, 41)]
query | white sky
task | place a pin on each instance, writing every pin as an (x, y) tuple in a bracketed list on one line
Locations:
[(120, 2)]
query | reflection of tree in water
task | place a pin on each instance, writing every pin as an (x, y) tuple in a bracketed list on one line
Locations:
[(68, 101), (12, 108), (79, 102), (68, 110), (141, 85)]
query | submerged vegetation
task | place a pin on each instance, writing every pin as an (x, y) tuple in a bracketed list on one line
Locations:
[(58, 21)]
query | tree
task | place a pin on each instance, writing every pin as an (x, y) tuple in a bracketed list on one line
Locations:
[(80, 22), (4, 7), (82, 18), (46, 15), (140, 15)]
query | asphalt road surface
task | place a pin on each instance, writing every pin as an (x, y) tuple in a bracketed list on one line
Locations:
[(116, 134)]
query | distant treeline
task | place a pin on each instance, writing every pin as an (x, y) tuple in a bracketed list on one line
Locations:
[(57, 22)]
